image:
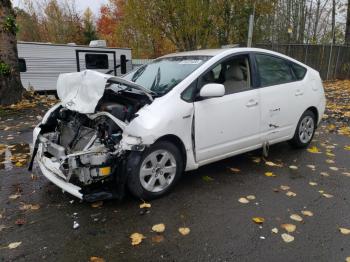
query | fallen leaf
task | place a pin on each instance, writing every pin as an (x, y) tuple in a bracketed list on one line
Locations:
[(293, 167), (346, 173), (347, 148), (256, 160), (159, 228), (327, 195), (289, 227), (312, 183), (344, 231), (311, 166), (270, 174), (29, 207), (324, 174), (18, 164), (184, 231), (243, 200), (284, 187), (333, 168), (296, 217), (20, 221), (145, 205), (97, 259), (270, 163), (235, 170), (274, 230), (287, 238), (330, 154), (207, 178), (14, 196), (258, 220), (136, 238), (157, 238), (307, 213), (330, 161), (347, 259), (314, 150), (97, 204), (35, 207), (291, 194), (14, 245), (251, 197)]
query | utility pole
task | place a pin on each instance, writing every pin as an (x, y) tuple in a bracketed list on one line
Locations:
[(251, 28)]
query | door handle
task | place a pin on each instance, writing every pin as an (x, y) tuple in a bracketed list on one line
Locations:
[(252, 103), (299, 93)]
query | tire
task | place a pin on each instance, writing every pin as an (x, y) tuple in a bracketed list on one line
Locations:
[(148, 178), (305, 130)]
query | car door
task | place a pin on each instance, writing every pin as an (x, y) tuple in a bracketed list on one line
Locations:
[(279, 93), (229, 124)]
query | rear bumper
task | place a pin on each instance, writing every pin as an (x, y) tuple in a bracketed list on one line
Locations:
[(51, 171)]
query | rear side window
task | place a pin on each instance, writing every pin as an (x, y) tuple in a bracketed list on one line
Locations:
[(273, 70), (299, 71), (96, 61), (22, 65)]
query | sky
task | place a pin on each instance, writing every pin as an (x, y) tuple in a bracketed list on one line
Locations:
[(81, 4)]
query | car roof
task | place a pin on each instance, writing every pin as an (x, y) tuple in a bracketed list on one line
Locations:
[(227, 51), (202, 52), (218, 51)]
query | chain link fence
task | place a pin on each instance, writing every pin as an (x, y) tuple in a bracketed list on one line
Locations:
[(332, 61)]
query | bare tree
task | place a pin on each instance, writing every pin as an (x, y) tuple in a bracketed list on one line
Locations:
[(11, 88), (347, 31), (333, 22)]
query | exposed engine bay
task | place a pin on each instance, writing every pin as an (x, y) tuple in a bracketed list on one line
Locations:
[(85, 149)]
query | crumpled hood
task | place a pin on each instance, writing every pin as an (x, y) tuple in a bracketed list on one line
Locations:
[(81, 91)]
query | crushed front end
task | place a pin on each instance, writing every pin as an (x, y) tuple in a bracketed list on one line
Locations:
[(82, 155), (86, 154)]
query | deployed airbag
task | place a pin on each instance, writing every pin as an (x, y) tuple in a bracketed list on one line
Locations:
[(81, 91)]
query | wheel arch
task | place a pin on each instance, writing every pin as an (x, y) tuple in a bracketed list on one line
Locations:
[(314, 110), (178, 143)]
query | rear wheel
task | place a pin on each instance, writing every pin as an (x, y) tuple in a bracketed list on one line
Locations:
[(157, 172), (305, 130)]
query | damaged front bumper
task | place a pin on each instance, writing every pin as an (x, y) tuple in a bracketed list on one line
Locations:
[(90, 175), (84, 174), (51, 170)]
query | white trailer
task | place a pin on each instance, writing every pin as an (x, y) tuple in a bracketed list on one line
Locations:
[(41, 63)]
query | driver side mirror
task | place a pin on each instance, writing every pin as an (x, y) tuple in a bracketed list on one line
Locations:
[(212, 90)]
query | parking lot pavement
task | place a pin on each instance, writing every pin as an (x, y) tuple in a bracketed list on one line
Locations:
[(39, 218)]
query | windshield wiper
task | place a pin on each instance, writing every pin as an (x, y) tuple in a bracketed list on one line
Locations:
[(119, 80)]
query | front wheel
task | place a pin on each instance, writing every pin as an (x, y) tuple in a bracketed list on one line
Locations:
[(157, 172), (305, 130)]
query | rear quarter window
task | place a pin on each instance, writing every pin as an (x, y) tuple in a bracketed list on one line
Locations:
[(298, 70)]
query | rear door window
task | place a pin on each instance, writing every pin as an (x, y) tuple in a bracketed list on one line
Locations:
[(273, 70)]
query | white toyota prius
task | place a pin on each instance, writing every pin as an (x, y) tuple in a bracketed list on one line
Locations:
[(182, 111)]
